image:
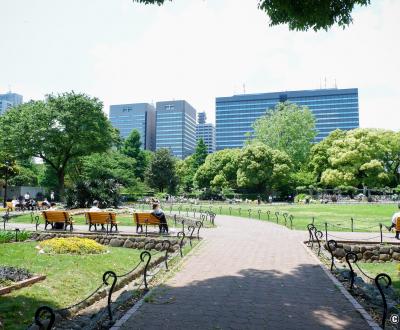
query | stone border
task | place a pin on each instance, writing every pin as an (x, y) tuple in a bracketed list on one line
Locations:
[(343, 290), (130, 312), (22, 284)]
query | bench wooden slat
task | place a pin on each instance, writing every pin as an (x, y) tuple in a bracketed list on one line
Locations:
[(398, 224), (100, 217), (140, 219)]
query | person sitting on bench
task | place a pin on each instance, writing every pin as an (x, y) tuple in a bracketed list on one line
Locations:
[(395, 218), (159, 214), (95, 208)]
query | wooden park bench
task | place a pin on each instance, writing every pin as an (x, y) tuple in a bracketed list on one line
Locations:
[(57, 217), (9, 206), (101, 218), (142, 218)]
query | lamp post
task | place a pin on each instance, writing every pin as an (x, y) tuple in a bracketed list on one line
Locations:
[(6, 163)]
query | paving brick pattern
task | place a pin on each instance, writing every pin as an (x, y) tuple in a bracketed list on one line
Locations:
[(248, 275)]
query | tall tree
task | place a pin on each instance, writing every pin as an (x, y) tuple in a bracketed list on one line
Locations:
[(219, 170), (161, 173), (288, 128), (132, 148), (263, 169), (57, 130), (303, 15), (200, 154)]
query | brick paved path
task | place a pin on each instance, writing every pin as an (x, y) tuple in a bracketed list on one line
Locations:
[(248, 275)]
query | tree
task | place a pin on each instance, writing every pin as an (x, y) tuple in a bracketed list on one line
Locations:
[(132, 148), (263, 169), (200, 154), (58, 130), (360, 157), (111, 165), (161, 173), (219, 170), (288, 128), (303, 15)]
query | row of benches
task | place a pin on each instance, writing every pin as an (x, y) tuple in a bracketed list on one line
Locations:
[(97, 218)]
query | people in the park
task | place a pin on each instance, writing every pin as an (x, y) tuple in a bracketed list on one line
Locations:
[(159, 214), (52, 196), (46, 203), (95, 207), (27, 197), (395, 218)]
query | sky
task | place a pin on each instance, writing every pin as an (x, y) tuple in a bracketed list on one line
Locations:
[(122, 52)]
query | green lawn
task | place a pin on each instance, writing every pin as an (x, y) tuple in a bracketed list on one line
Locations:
[(390, 268), (69, 279), (338, 216)]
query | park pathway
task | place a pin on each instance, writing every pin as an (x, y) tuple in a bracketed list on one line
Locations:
[(248, 275)]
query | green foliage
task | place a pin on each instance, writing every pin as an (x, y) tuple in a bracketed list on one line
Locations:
[(302, 15), (110, 165), (83, 193), (262, 169), (7, 236), (58, 130), (27, 175), (310, 14), (200, 155), (161, 173), (288, 128), (219, 170), (360, 157), (131, 148)]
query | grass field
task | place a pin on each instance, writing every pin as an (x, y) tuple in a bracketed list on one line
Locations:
[(338, 216), (390, 268), (70, 278)]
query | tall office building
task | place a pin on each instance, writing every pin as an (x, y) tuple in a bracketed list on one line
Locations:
[(332, 108), (9, 100), (140, 116), (205, 131), (176, 127)]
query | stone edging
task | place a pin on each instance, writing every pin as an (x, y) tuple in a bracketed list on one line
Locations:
[(128, 314), (343, 290), (22, 284)]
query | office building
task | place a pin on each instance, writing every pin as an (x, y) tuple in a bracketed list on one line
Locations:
[(176, 127), (140, 116), (9, 100), (332, 108), (205, 131)]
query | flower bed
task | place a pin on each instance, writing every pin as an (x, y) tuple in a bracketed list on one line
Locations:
[(72, 245)]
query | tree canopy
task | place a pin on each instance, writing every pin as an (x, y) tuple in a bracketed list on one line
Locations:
[(288, 128), (57, 130), (303, 15), (161, 173), (132, 148)]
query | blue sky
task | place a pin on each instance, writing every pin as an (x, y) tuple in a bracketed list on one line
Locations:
[(195, 50)]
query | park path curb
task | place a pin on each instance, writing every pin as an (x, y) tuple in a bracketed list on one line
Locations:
[(343, 290), (119, 323)]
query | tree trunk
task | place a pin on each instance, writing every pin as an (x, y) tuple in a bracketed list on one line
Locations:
[(60, 176)]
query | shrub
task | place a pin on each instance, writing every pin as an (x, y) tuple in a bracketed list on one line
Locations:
[(9, 275), (83, 193), (72, 245), (9, 236)]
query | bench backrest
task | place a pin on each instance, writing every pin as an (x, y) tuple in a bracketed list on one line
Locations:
[(56, 216), (9, 205), (100, 217), (140, 218)]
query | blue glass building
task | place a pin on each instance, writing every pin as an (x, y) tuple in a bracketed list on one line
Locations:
[(332, 108), (9, 100), (176, 127), (140, 116), (205, 131)]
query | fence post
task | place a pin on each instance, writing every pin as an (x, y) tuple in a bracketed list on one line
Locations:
[(313, 220), (230, 210), (240, 211), (16, 234), (352, 225), (268, 213), (259, 214), (220, 210), (106, 276), (326, 231), (380, 229), (291, 221), (388, 283), (249, 210)]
